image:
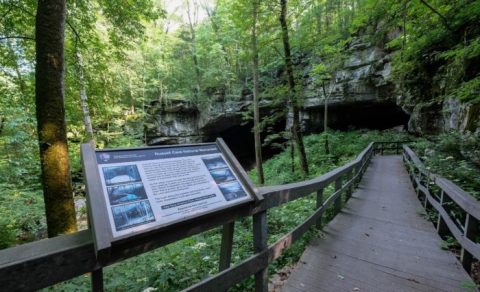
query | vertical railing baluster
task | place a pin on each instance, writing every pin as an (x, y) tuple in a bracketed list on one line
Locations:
[(227, 245), (260, 237), (337, 206), (442, 228), (350, 176), (471, 229), (362, 168), (418, 179), (97, 280), (358, 170), (427, 186), (319, 204)]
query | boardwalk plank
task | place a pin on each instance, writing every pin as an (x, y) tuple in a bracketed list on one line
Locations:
[(379, 242)]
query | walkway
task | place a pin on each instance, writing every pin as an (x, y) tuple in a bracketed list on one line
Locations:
[(379, 242)]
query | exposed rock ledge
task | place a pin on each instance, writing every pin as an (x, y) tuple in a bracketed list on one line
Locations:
[(363, 82)]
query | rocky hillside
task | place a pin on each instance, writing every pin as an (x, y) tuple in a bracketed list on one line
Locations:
[(363, 95)]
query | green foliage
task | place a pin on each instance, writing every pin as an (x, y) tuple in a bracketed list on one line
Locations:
[(454, 156), (469, 285), (344, 147), (437, 58), (22, 216), (7, 234), (468, 91), (450, 243)]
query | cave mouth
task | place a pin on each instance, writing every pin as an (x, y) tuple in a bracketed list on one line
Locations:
[(241, 142), (372, 116)]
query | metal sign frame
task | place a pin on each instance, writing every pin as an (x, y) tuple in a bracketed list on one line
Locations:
[(97, 205)]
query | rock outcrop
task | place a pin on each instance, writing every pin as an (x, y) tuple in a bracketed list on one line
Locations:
[(363, 94), (181, 122)]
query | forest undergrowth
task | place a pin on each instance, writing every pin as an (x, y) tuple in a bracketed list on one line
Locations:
[(183, 263)]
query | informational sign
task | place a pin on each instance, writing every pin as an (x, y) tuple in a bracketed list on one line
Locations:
[(149, 187)]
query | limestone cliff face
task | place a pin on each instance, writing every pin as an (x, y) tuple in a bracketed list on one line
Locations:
[(363, 84), (180, 122), (362, 94)]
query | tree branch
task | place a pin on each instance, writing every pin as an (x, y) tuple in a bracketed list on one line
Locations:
[(17, 37), (13, 5), (443, 18), (6, 13), (75, 32), (22, 9)]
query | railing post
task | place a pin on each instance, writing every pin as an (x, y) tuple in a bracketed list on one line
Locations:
[(350, 176), (260, 237), (337, 206), (319, 204), (427, 184), (362, 169), (97, 280), (442, 227), (381, 150), (96, 276), (226, 247), (416, 181), (358, 171), (357, 178), (471, 229)]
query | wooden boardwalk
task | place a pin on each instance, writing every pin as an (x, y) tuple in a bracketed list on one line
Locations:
[(379, 242)]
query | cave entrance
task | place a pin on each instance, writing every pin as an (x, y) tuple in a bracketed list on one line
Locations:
[(241, 142), (374, 116)]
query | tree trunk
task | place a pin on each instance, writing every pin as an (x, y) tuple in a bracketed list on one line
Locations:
[(404, 28), (256, 109), (296, 131), (325, 118), (191, 24), (21, 83), (216, 29), (443, 18), (87, 121), (49, 100), (319, 18)]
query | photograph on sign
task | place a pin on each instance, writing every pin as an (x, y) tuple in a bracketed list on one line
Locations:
[(145, 188), (132, 214)]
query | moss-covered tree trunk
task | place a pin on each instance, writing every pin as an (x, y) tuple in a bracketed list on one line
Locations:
[(49, 100), (296, 131)]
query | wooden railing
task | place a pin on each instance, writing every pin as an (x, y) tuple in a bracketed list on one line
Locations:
[(456, 211), (389, 147), (46, 262)]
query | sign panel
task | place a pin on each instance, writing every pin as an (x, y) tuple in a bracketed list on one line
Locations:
[(150, 187)]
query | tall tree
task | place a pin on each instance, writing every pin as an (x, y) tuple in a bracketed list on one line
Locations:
[(256, 109), (87, 121), (49, 100), (192, 22), (296, 131)]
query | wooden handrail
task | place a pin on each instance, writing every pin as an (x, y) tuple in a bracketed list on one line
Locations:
[(381, 148), (449, 192), (463, 199), (46, 262)]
